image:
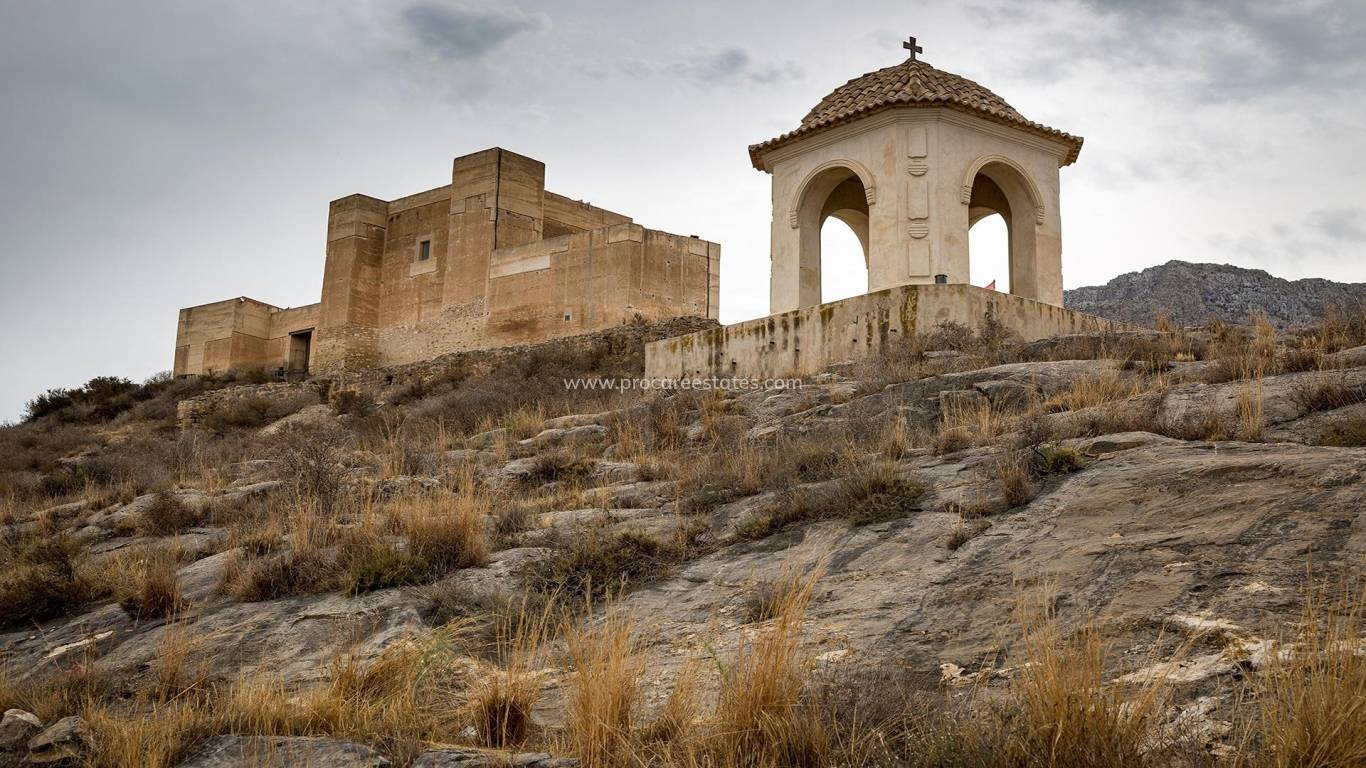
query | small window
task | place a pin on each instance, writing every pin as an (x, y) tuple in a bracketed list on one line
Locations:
[(424, 250)]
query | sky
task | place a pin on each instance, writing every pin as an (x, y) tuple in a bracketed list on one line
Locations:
[(161, 155)]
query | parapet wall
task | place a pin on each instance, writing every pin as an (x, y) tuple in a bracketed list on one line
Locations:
[(806, 341)]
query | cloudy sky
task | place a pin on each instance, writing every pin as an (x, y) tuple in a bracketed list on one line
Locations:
[(160, 155)]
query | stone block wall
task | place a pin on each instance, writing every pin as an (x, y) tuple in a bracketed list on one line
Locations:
[(490, 260), (806, 341)]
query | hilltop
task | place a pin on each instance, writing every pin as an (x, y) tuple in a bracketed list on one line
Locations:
[(1189, 294), (974, 552)]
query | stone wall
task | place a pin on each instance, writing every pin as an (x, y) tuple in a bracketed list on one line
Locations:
[(490, 260), (807, 341), (237, 334), (193, 412), (624, 345)]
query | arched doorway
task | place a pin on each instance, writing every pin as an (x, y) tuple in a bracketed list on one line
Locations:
[(1001, 189), (835, 192), (989, 246), (844, 261)]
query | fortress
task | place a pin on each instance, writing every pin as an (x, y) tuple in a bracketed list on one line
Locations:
[(493, 259), (909, 156)]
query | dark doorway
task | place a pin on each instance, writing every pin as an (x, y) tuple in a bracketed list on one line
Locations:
[(300, 344)]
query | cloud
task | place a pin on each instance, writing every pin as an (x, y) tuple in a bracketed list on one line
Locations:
[(1226, 50), (1344, 225), (464, 34), (1328, 239), (719, 65)]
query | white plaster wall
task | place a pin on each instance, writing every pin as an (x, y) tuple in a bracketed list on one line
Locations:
[(917, 160), (870, 148), (808, 340)]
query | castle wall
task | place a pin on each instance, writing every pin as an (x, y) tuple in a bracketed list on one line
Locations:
[(507, 263), (806, 341), (237, 334)]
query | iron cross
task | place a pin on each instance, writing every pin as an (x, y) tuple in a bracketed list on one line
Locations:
[(912, 47)]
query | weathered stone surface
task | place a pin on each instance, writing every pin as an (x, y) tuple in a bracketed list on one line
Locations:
[(459, 757), (311, 416), (67, 741), (16, 729), (282, 752), (580, 435), (1141, 533)]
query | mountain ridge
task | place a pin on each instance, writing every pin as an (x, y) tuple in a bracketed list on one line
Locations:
[(1190, 293)]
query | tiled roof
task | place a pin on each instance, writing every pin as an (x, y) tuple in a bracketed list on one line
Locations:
[(911, 83)]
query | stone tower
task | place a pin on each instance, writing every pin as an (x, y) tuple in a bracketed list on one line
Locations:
[(910, 157)]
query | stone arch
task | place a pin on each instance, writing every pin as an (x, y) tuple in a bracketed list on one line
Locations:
[(842, 189), (995, 184)]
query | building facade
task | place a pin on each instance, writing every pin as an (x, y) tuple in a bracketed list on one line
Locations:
[(493, 259), (910, 157)]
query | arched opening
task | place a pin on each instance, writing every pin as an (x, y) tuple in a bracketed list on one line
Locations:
[(839, 193), (844, 262), (989, 246), (1002, 248)]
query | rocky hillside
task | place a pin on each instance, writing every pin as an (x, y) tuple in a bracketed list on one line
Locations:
[(1076, 552), (1192, 294)]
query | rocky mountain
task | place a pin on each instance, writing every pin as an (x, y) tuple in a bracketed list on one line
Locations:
[(1191, 294)]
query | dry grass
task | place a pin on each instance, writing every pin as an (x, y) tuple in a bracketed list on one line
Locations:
[(598, 561), (1249, 407), (1011, 471), (1103, 388), (166, 515), (155, 591), (866, 494), (761, 716), (968, 424), (1310, 700), (500, 700), (965, 529), (448, 533), (602, 708), (1068, 715), (40, 578)]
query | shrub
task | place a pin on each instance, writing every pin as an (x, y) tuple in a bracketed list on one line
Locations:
[(1347, 432), (280, 575), (156, 592), (446, 532), (377, 564), (869, 494), (48, 403), (1325, 393), (39, 578), (598, 561), (255, 410), (350, 401), (166, 515), (1056, 460), (310, 461), (877, 493), (559, 464)]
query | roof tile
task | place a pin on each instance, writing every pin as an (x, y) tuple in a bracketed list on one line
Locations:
[(911, 83)]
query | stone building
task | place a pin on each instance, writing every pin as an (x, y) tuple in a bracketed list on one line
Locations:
[(493, 259), (910, 157)]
